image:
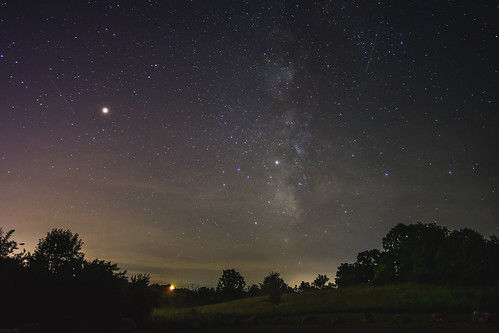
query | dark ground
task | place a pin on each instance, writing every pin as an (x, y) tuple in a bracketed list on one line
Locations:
[(460, 323)]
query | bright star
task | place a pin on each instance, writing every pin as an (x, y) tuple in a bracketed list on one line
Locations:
[(105, 110)]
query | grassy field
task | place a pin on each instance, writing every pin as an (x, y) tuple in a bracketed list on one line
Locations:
[(347, 305)]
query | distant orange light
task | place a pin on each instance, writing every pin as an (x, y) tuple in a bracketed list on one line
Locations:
[(172, 287)]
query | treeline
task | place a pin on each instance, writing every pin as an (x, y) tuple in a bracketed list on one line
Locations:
[(56, 286), (426, 253), (231, 285)]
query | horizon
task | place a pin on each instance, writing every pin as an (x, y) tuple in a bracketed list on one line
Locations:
[(210, 276)]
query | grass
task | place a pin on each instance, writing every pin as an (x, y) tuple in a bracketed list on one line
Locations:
[(345, 303)]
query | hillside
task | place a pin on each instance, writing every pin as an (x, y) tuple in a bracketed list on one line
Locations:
[(349, 304)]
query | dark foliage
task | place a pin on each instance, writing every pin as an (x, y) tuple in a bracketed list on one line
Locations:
[(320, 281), (59, 253), (231, 284), (305, 286), (194, 297), (362, 271), (425, 253), (7, 247), (57, 287), (274, 286), (205, 295), (253, 291)]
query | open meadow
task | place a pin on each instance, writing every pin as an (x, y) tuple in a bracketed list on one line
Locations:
[(393, 308)]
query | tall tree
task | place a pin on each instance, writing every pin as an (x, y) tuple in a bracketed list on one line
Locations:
[(273, 282), (412, 250), (274, 286), (467, 249), (231, 284), (59, 253), (347, 275), (367, 263)]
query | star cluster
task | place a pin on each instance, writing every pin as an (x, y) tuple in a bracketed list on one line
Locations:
[(180, 138)]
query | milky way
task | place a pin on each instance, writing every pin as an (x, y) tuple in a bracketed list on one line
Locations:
[(180, 138)]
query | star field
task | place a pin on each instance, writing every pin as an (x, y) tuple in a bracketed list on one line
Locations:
[(181, 138)]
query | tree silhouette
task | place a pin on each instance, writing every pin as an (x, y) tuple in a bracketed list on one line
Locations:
[(362, 271), (140, 280), (418, 252), (305, 286), (59, 253), (412, 250), (15, 285), (367, 263), (7, 247), (348, 275), (253, 290), (274, 286), (463, 248), (425, 253), (100, 272), (231, 284), (320, 281), (272, 282), (57, 286)]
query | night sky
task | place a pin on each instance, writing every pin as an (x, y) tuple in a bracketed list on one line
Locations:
[(256, 135)]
